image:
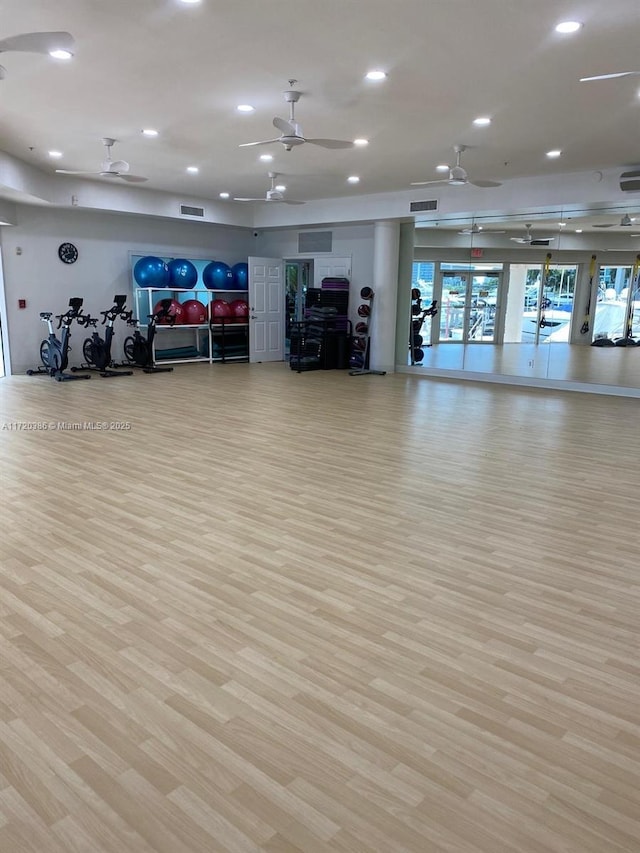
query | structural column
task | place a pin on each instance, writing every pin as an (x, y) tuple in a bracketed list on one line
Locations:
[(385, 287)]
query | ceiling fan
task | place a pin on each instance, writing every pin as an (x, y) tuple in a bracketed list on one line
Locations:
[(625, 222), (291, 132), (478, 229), (610, 76), (60, 45), (109, 168), (273, 195), (530, 240), (458, 176)]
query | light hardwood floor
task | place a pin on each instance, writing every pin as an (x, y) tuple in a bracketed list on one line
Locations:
[(317, 612)]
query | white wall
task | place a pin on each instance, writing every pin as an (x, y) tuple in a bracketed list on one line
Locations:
[(105, 242), (356, 241)]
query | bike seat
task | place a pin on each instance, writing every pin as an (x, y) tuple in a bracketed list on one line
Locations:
[(46, 315)]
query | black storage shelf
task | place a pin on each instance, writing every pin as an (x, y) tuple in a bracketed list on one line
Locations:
[(319, 345), (229, 340)]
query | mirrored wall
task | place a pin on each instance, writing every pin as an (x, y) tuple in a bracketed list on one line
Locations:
[(542, 295)]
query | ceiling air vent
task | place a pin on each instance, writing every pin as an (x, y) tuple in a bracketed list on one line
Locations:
[(630, 181), (314, 241), (419, 206), (188, 210)]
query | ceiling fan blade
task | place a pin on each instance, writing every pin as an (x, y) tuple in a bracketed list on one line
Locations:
[(485, 183), (3, 72), (263, 142), (610, 76), (133, 179), (331, 143), (285, 127), (605, 225), (38, 42), (470, 231), (71, 172), (290, 201), (249, 199), (426, 183)]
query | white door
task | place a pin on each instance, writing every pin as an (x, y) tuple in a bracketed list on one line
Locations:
[(330, 267), (266, 314)]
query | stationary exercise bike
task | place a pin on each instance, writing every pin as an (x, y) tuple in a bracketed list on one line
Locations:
[(97, 350), (138, 350), (54, 351)]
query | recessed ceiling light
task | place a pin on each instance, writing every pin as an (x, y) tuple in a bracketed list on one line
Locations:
[(193, 170), (149, 131), (61, 54), (482, 121), (353, 179), (555, 153), (55, 154), (578, 230), (267, 158), (375, 75), (245, 108), (562, 224), (193, 2), (224, 195), (568, 27), (442, 168), (360, 142)]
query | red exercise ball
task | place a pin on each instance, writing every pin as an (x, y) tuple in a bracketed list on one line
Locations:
[(240, 310), (176, 310), (195, 313), (220, 310)]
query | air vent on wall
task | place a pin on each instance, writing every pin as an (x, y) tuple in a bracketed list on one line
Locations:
[(187, 210), (630, 181), (418, 206), (315, 241)]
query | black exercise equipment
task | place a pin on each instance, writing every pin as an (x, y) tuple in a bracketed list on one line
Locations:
[(360, 357), (97, 350), (138, 349), (418, 317), (54, 351)]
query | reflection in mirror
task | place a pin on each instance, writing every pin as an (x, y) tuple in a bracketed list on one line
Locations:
[(520, 294)]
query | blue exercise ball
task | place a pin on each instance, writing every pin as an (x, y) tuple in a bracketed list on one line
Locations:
[(182, 274), (151, 272), (217, 276), (240, 273)]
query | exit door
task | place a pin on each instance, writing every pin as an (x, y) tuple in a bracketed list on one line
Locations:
[(469, 306)]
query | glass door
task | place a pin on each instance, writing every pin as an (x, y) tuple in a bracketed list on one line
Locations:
[(469, 306), (540, 302), (297, 275), (617, 313)]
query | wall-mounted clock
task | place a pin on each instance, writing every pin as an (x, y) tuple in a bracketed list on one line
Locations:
[(67, 253)]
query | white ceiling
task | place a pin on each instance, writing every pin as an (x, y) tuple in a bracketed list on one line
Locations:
[(183, 69)]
